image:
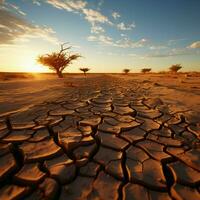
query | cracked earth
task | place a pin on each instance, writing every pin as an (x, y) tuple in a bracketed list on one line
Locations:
[(103, 139)]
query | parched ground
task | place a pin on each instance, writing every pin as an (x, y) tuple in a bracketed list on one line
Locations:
[(102, 137)]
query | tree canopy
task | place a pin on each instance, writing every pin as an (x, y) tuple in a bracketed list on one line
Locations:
[(145, 70), (58, 61)]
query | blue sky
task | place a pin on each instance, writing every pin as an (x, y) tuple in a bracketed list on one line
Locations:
[(110, 34)]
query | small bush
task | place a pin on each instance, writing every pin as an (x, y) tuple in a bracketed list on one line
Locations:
[(145, 70), (175, 68), (126, 71), (84, 70)]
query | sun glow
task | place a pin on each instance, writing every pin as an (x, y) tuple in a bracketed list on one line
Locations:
[(30, 65), (34, 68)]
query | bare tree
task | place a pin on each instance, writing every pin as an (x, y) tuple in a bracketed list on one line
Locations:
[(126, 71), (58, 61), (84, 70), (145, 70), (175, 68)]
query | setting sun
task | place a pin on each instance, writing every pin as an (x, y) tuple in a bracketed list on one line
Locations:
[(30, 66)]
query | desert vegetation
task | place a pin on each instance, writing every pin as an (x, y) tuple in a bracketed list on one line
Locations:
[(58, 61), (175, 68), (126, 71), (84, 70), (145, 70)]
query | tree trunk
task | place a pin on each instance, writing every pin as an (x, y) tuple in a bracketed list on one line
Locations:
[(84, 73), (59, 73)]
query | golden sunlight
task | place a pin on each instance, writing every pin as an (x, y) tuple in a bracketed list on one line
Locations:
[(29, 64), (34, 68)]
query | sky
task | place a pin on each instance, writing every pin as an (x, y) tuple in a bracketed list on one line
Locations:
[(109, 34)]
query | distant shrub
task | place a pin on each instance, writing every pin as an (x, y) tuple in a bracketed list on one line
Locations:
[(84, 70), (126, 71), (175, 68), (145, 70)]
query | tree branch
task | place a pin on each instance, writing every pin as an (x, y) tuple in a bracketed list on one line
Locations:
[(64, 49)]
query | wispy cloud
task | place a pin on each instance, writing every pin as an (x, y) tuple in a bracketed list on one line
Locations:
[(17, 9), (97, 29), (72, 6), (123, 35), (122, 26), (195, 45), (122, 43), (128, 43), (175, 41), (15, 28), (115, 15), (11, 7), (80, 6), (101, 39), (157, 47), (36, 2), (94, 16), (97, 19), (171, 53)]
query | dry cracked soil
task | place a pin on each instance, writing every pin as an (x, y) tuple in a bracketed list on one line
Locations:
[(103, 139)]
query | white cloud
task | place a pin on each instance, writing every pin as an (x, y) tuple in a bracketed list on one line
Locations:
[(11, 7), (157, 47), (92, 38), (17, 9), (106, 39), (124, 27), (101, 39), (195, 45), (79, 6), (94, 16), (171, 53), (97, 29), (69, 5), (123, 35), (14, 28), (36, 2), (122, 43), (116, 15), (128, 43)]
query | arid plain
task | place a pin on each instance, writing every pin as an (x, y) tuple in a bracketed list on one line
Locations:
[(103, 136)]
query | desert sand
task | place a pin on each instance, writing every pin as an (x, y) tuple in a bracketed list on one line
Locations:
[(101, 136)]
